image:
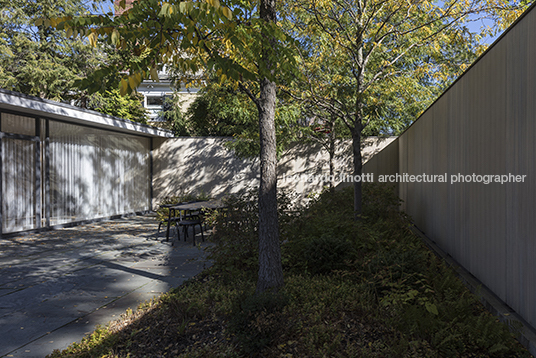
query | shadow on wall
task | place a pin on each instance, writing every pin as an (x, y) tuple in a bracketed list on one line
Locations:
[(204, 165)]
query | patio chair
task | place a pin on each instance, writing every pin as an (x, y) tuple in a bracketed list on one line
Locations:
[(191, 219), (186, 224), (173, 220)]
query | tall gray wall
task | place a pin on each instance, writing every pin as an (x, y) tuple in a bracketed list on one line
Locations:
[(485, 123)]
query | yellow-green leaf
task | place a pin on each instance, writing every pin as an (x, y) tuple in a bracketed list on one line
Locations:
[(124, 87), (132, 81), (215, 3), (115, 37), (7, 51), (93, 39), (430, 307), (227, 12), (154, 74)]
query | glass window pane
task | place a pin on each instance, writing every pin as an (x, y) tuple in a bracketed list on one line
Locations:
[(155, 101), (96, 173), (12, 123), (18, 185)]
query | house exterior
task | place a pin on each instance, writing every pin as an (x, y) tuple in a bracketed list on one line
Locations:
[(61, 164), (156, 93)]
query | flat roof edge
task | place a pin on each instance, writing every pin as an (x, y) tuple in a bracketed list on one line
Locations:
[(36, 106)]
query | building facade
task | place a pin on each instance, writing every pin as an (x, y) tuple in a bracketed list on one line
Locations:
[(61, 164)]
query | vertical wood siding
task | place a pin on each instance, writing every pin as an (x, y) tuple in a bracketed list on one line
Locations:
[(484, 124)]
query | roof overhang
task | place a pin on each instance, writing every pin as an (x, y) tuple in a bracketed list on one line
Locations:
[(34, 106)]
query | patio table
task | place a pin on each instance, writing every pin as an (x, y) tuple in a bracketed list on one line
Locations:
[(190, 206)]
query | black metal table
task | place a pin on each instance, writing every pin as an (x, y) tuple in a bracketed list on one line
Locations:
[(190, 206)]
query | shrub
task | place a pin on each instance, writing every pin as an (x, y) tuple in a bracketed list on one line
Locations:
[(325, 237), (236, 233), (257, 319), (327, 253)]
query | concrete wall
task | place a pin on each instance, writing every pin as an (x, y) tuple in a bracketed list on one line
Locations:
[(485, 123), (202, 164)]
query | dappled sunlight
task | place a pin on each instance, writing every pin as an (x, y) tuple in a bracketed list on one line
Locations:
[(205, 165), (84, 276)]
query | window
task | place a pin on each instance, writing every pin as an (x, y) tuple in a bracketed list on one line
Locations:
[(155, 101)]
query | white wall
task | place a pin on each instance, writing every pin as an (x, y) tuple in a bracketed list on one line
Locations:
[(202, 164)]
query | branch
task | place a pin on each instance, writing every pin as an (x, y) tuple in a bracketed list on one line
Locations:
[(249, 93)]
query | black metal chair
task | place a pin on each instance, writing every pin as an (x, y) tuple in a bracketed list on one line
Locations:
[(186, 223), (191, 219), (171, 219)]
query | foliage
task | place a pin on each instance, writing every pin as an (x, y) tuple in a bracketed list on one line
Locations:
[(394, 298), (238, 41), (187, 36), (223, 110), (416, 293), (326, 253), (257, 320), (395, 65), (38, 60), (375, 66), (112, 103), (329, 220), (44, 62), (236, 234), (174, 117)]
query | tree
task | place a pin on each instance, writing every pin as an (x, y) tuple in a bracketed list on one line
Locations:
[(41, 61), (243, 45), (223, 110), (112, 103), (38, 60), (359, 56), (326, 129)]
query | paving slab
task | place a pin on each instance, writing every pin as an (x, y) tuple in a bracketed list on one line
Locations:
[(57, 286)]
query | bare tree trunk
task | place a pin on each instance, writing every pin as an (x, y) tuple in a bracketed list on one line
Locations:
[(358, 168), (358, 128), (270, 267), (331, 151)]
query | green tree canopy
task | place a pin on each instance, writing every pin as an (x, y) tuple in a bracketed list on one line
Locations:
[(225, 110), (111, 102), (377, 64), (39, 60), (42, 61)]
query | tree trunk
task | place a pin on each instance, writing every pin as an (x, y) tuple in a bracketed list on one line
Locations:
[(358, 128), (358, 169), (270, 267), (331, 152)]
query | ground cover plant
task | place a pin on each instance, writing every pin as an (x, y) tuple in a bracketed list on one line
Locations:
[(367, 288)]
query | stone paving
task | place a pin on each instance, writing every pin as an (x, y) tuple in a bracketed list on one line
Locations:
[(56, 286)]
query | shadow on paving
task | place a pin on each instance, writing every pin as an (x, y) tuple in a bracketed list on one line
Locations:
[(56, 286)]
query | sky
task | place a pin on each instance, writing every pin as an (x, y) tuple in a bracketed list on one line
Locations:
[(108, 6), (475, 27)]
